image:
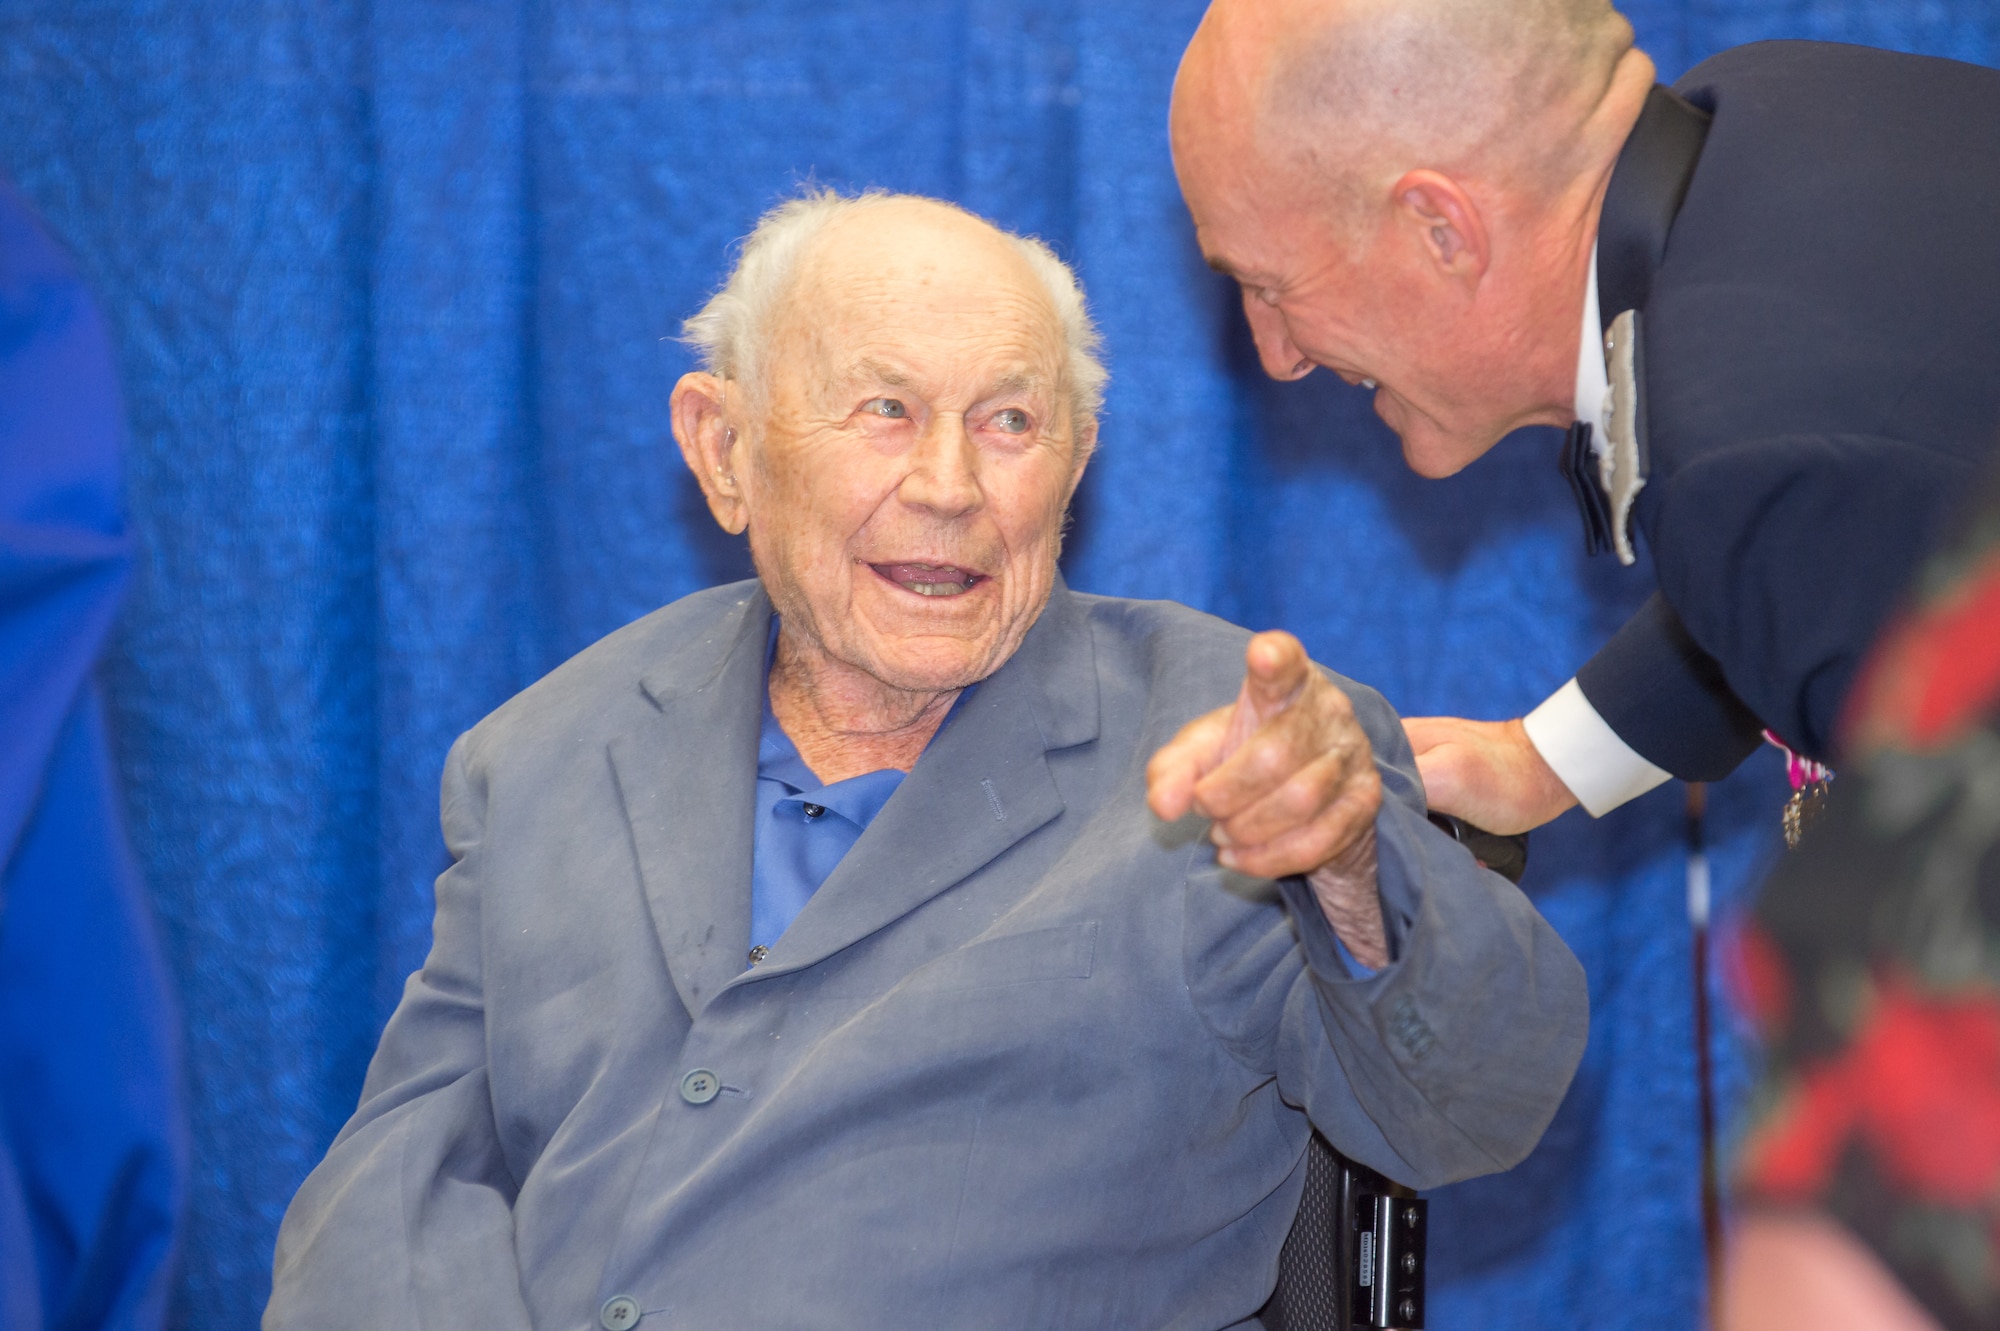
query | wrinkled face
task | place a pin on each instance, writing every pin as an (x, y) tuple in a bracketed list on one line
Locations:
[(1350, 290), (1354, 304), (908, 476)]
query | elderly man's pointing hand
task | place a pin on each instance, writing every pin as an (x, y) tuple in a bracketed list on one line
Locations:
[(1289, 778)]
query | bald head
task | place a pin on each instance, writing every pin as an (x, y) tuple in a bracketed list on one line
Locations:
[(1408, 193), (1350, 94)]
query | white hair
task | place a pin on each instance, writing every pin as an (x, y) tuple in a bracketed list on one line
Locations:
[(733, 331)]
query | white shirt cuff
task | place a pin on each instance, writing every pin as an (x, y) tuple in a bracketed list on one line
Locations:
[(1600, 769)]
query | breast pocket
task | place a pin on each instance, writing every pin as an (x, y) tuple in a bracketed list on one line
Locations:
[(1065, 952)]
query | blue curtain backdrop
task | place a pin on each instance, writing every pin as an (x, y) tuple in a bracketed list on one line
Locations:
[(390, 284)]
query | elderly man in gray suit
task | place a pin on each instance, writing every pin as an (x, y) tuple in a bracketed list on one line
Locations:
[(810, 955)]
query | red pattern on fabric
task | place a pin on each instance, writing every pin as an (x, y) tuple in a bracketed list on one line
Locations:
[(1928, 1075), (1757, 979), (1936, 671), (1794, 1158), (1919, 1088)]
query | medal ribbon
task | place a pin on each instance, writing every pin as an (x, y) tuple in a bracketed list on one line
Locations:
[(1808, 780)]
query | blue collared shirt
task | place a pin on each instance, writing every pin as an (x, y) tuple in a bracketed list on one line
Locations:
[(804, 827)]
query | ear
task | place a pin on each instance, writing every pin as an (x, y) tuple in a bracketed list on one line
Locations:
[(1445, 222), (1085, 444), (711, 446)]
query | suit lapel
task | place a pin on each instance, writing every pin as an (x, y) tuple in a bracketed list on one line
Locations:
[(1654, 170), (981, 786), (688, 780)]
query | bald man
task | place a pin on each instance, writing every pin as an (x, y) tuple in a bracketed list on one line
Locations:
[(1765, 302)]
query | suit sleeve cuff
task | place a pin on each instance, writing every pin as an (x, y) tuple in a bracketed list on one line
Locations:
[(1600, 769)]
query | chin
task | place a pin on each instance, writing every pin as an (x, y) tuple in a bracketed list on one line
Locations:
[(1428, 450), (1431, 466), (1434, 455), (930, 672)]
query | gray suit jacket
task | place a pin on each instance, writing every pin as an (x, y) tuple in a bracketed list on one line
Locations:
[(1027, 1059)]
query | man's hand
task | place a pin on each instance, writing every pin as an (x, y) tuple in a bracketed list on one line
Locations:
[(1487, 772), (1289, 779)]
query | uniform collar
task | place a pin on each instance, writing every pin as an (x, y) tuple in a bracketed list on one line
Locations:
[(1654, 170), (1648, 184)]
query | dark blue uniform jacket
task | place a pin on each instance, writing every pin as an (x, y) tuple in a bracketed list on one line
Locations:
[(1811, 234)]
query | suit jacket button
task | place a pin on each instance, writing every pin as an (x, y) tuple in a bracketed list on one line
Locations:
[(698, 1088), (619, 1313)]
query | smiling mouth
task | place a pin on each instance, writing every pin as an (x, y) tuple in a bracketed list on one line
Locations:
[(931, 579)]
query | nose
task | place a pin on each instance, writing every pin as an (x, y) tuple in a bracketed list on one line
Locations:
[(944, 470), (1282, 359)]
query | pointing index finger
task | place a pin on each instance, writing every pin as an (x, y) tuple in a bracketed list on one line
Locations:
[(1277, 671)]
